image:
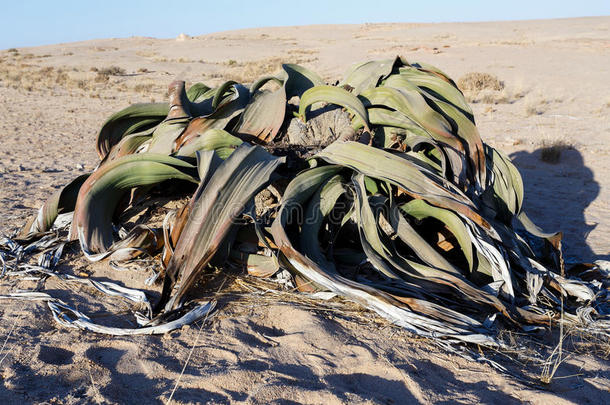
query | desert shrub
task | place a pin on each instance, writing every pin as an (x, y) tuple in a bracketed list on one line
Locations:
[(476, 81), (551, 151)]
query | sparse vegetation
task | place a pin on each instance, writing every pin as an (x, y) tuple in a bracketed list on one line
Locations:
[(31, 78), (300, 51), (144, 87), (535, 106), (249, 71), (476, 81), (112, 71), (486, 88), (551, 151), (104, 74)]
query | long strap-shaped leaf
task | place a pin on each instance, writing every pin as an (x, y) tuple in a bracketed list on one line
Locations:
[(333, 95), (299, 79), (368, 74), (228, 108), (213, 139), (214, 210), (320, 205), (403, 173), (401, 312), (135, 118), (101, 192), (419, 209), (433, 280), (264, 115), (437, 86), (60, 202)]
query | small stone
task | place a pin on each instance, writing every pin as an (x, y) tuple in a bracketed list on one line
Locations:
[(80, 167)]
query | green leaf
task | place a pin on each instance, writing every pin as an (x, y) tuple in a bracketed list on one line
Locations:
[(425, 67), (419, 209), (366, 75), (418, 244), (101, 192), (166, 134), (228, 109), (213, 139), (128, 145), (299, 79), (320, 205), (465, 129), (257, 265), (333, 95), (197, 92), (214, 210), (411, 103), (507, 183), (438, 87), (60, 202), (261, 81), (416, 315), (403, 172), (228, 86), (135, 118)]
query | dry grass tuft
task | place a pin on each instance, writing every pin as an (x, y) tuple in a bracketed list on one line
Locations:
[(144, 87), (112, 71), (551, 151), (103, 75), (487, 89), (21, 76), (30, 77), (533, 109), (247, 72), (476, 81), (536, 106)]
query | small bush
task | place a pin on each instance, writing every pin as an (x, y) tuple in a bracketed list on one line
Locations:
[(551, 151), (486, 88), (476, 81), (112, 71)]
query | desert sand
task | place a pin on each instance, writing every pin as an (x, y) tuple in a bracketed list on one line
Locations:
[(272, 349)]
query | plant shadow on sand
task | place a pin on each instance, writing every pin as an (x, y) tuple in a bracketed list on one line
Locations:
[(556, 197)]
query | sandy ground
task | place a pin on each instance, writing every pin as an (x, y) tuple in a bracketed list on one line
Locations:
[(53, 100)]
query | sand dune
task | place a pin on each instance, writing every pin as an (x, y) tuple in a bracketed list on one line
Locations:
[(54, 99)]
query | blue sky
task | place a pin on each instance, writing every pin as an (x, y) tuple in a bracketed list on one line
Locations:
[(38, 22)]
